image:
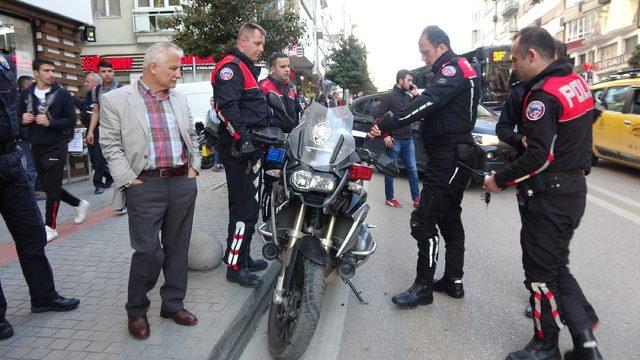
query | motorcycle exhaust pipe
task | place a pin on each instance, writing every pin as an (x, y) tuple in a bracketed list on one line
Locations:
[(347, 267), (270, 251)]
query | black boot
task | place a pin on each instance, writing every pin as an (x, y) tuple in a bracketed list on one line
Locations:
[(453, 287), (585, 347), (6, 331), (257, 265), (539, 349), (417, 294), (244, 277)]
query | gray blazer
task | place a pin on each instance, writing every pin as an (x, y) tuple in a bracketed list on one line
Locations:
[(125, 135)]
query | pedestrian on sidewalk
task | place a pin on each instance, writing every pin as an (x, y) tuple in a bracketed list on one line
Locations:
[(243, 108), (447, 110), (151, 146), (557, 119), (211, 130), (399, 142), (20, 211), (98, 162), (48, 113)]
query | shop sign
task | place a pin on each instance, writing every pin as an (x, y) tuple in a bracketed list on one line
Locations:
[(612, 62), (90, 63), (205, 64)]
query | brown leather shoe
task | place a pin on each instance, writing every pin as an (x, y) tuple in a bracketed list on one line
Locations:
[(139, 326), (181, 317)]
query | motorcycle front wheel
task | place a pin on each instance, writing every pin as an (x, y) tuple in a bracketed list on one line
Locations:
[(292, 324)]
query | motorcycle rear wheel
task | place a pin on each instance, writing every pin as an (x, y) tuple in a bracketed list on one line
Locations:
[(292, 325)]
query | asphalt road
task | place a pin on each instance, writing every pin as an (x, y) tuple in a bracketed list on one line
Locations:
[(489, 321)]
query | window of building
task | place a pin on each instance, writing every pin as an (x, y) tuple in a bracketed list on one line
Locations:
[(156, 4), (582, 59), (16, 36), (591, 56), (105, 8), (154, 15), (630, 44), (609, 51), (579, 28)]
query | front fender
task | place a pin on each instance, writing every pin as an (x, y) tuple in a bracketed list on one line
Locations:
[(311, 248)]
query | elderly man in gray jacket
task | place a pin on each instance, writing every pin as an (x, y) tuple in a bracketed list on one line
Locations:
[(149, 141)]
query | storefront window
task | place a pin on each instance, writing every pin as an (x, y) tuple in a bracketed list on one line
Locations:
[(16, 36)]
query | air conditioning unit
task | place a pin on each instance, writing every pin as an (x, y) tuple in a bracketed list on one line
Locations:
[(561, 21), (495, 18)]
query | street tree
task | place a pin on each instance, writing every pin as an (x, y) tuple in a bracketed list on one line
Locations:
[(634, 60), (210, 27), (348, 66)]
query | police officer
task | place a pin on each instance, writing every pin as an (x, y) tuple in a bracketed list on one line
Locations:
[(242, 108), (20, 211), (557, 122), (278, 82), (448, 111)]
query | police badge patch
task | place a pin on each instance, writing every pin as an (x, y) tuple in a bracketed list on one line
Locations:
[(448, 71), (535, 110), (226, 74)]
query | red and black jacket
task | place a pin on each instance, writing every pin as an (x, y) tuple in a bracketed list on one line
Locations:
[(289, 98), (236, 93), (449, 106), (557, 119)]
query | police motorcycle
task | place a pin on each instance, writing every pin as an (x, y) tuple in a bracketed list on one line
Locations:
[(314, 209)]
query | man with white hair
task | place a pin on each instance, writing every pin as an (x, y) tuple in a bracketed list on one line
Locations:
[(150, 144)]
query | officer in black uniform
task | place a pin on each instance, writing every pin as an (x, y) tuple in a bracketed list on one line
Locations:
[(242, 108), (20, 211), (557, 122), (448, 112)]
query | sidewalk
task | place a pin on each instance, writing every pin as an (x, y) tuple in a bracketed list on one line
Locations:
[(91, 261)]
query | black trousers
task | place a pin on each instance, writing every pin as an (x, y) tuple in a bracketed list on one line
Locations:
[(243, 207), (444, 182), (159, 206), (548, 225), (22, 216), (99, 163), (50, 164)]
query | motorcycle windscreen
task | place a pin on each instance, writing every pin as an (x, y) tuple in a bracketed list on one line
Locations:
[(324, 136)]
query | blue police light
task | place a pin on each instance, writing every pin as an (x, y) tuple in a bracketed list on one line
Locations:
[(275, 155)]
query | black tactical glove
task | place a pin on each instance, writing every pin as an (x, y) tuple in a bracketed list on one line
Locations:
[(388, 122), (246, 149)]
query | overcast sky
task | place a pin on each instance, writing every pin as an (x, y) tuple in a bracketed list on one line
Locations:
[(391, 29)]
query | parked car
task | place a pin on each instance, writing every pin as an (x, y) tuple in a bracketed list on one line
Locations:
[(616, 133), (492, 153)]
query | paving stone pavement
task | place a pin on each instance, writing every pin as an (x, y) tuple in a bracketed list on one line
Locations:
[(93, 265)]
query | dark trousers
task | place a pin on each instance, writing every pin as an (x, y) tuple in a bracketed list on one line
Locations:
[(28, 162), (22, 216), (159, 205), (548, 225), (99, 163), (243, 208), (444, 182), (50, 164)]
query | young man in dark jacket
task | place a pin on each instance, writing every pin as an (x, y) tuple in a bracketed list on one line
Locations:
[(278, 82), (48, 112), (399, 142)]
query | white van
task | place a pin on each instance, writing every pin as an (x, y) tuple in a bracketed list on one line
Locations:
[(198, 96)]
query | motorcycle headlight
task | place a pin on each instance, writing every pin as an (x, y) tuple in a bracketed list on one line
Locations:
[(307, 180), (485, 139)]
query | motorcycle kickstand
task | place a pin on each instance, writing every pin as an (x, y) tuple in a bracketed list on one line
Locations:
[(355, 291)]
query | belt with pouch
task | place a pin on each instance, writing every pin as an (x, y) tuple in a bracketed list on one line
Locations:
[(166, 172), (546, 180), (8, 147)]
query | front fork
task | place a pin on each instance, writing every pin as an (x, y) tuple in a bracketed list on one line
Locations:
[(295, 235)]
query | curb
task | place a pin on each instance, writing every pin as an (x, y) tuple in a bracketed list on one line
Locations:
[(241, 329)]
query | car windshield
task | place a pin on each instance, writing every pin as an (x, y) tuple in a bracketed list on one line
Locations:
[(323, 136)]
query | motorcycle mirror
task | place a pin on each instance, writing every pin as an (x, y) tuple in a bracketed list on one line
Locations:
[(365, 155), (275, 102), (386, 165)]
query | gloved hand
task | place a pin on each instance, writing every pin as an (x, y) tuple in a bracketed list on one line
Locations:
[(246, 149), (389, 121)]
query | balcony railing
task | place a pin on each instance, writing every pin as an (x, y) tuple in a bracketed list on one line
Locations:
[(510, 7)]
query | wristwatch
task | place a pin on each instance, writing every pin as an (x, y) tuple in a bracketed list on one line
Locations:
[(128, 184)]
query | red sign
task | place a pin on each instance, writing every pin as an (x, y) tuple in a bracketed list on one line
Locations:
[(90, 63), (587, 67), (188, 60)]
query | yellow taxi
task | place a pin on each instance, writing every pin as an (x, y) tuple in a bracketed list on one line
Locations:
[(616, 133)]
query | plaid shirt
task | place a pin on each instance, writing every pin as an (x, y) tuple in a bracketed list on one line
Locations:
[(166, 148)]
